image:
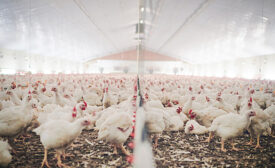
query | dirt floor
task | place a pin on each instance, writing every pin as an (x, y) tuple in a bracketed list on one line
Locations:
[(175, 149)]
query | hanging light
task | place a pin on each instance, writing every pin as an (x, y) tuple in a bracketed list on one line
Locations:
[(142, 9)]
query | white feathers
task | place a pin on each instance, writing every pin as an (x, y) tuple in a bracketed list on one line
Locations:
[(5, 156), (192, 127)]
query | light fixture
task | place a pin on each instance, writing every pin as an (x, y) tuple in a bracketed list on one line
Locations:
[(265, 19), (142, 9), (141, 21)]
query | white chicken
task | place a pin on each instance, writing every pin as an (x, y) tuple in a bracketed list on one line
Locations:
[(154, 120), (5, 156), (14, 119), (60, 100), (174, 118), (259, 125), (230, 126), (109, 99), (192, 127), (206, 116), (14, 98), (116, 130), (59, 134), (271, 111)]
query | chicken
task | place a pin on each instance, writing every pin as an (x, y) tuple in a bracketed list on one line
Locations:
[(116, 130), (61, 113), (186, 108), (108, 99), (221, 104), (15, 119), (259, 125), (153, 104), (174, 118), (103, 116), (192, 127), (154, 120), (206, 116), (6, 104), (60, 100), (271, 111), (92, 98), (14, 98), (230, 126), (5, 156), (58, 135)]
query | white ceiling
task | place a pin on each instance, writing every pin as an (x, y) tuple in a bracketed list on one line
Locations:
[(198, 31), (74, 29), (204, 31)]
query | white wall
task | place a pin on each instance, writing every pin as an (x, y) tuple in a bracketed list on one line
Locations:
[(118, 66), (19, 61), (261, 67)]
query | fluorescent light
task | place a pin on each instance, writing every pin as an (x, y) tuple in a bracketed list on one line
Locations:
[(141, 21), (142, 9), (265, 18)]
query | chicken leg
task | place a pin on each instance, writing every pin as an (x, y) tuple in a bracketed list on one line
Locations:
[(59, 161), (64, 155), (115, 149), (156, 140), (250, 141), (45, 161), (222, 146), (233, 146), (127, 153), (258, 142), (209, 138)]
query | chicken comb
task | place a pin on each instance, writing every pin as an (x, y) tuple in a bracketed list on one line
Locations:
[(250, 100), (192, 126), (179, 109), (85, 103), (74, 109), (29, 92), (190, 111), (74, 114)]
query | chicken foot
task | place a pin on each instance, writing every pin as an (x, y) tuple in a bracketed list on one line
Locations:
[(258, 142), (59, 161), (233, 146), (64, 155), (45, 160), (250, 141), (127, 153), (156, 138)]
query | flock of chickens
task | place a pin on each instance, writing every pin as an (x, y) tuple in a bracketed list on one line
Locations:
[(59, 107)]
